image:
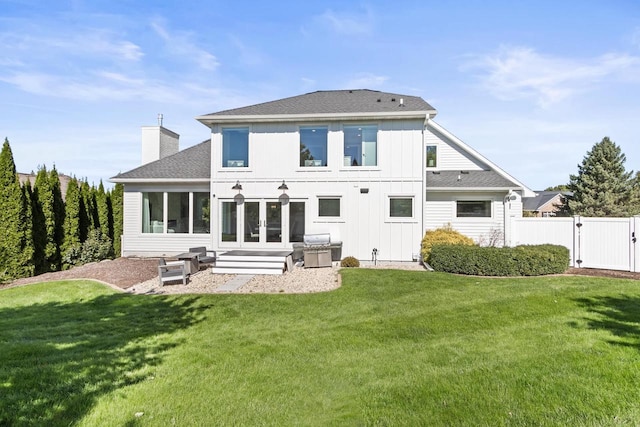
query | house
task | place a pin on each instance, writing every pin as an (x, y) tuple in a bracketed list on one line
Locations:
[(371, 168), (31, 177), (544, 203)]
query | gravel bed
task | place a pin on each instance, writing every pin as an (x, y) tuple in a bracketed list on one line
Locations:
[(300, 280)]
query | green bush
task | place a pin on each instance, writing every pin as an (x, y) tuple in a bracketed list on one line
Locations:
[(445, 235), (96, 248), (349, 262), (489, 261)]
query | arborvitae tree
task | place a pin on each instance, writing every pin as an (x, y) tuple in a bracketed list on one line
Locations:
[(44, 193), (86, 213), (58, 210), (602, 186), (103, 210), (12, 220), (71, 224), (29, 248), (116, 204), (38, 230)]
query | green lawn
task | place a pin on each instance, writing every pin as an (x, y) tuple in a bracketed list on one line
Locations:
[(388, 348)]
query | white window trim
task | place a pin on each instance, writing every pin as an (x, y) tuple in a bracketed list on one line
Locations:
[(232, 169), (437, 156), (391, 219), (165, 214), (377, 167), (326, 219), (314, 168)]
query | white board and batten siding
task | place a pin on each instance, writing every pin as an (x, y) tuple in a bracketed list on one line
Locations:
[(450, 156), (137, 243)]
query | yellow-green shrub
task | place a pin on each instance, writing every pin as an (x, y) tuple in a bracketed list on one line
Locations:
[(445, 235), (349, 261)]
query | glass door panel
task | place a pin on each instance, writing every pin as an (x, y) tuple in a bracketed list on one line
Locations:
[(229, 222), (274, 221), (251, 221)]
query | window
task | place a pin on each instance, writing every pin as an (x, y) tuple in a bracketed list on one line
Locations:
[(235, 147), (201, 213), (296, 221), (178, 212), (361, 145), (329, 207), (473, 209), (432, 156), (313, 146), (152, 212), (401, 207), (228, 222)]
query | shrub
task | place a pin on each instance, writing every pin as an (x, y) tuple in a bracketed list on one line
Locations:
[(489, 261), (445, 235), (349, 262), (96, 248)]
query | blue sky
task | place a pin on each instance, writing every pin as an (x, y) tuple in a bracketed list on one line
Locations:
[(530, 85)]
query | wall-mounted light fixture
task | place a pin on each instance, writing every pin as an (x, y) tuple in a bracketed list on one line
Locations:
[(238, 186), (283, 186)]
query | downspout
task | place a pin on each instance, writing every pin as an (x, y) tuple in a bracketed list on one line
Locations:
[(424, 190)]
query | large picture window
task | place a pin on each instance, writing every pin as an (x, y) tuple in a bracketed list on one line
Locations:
[(153, 212), (235, 147), (201, 213), (313, 146), (175, 218), (473, 209), (361, 145)]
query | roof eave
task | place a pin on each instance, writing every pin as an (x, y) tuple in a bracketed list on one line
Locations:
[(212, 119), (117, 180), (440, 189)]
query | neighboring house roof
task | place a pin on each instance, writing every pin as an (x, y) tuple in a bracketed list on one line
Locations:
[(541, 198), (31, 177), (465, 180), (190, 164), (356, 102)]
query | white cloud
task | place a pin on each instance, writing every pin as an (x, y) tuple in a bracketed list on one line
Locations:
[(520, 72), (348, 23), (366, 81), (182, 45)]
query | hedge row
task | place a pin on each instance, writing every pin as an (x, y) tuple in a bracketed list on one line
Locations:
[(490, 261)]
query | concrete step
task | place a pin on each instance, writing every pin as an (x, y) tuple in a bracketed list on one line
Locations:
[(251, 258), (252, 264), (246, 270)]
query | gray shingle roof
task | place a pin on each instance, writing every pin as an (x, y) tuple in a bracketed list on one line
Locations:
[(468, 179), (190, 163), (333, 101), (541, 199)]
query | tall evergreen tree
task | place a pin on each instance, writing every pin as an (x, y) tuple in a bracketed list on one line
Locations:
[(71, 224), (44, 192), (38, 229), (102, 207), (116, 204), (602, 185), (58, 211), (13, 220), (29, 248), (86, 213)]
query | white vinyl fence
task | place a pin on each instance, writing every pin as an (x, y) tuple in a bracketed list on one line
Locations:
[(608, 243)]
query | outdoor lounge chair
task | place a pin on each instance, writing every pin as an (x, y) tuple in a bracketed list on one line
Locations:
[(171, 271), (203, 258)]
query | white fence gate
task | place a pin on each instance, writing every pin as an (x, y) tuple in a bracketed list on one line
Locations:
[(608, 243)]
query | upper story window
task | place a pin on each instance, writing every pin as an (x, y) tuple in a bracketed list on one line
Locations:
[(313, 146), (235, 147), (432, 156), (473, 209), (361, 145)]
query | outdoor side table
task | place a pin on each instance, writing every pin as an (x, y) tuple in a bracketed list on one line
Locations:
[(190, 261)]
